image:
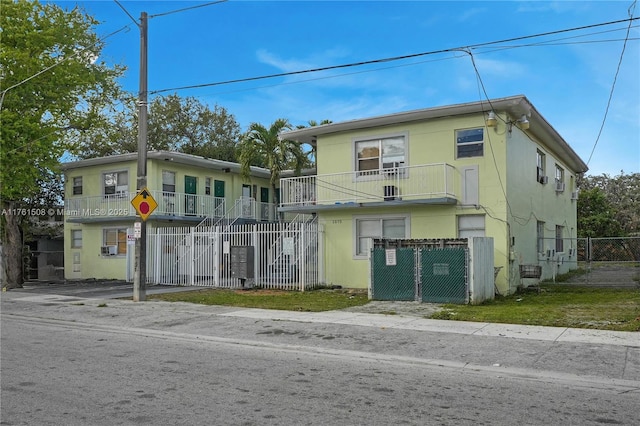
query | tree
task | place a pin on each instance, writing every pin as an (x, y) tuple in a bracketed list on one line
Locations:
[(596, 216), (52, 84), (622, 193), (174, 124), (263, 147), (189, 126)]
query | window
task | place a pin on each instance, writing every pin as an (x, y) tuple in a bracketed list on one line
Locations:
[(375, 155), (207, 186), (540, 161), (76, 238), (469, 143), (116, 183), (559, 240), (559, 179), (117, 238), (386, 227), (471, 226), (77, 185), (540, 236), (168, 181)]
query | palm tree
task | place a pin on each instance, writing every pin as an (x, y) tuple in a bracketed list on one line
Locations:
[(264, 147)]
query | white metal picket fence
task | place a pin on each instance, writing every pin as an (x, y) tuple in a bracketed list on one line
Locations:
[(283, 256)]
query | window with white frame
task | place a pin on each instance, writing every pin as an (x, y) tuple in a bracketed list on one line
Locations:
[(76, 238), (77, 185), (168, 181), (559, 179), (207, 186), (540, 236), (376, 155), (540, 165), (378, 227), (116, 237), (471, 225), (559, 239), (470, 143), (116, 183)]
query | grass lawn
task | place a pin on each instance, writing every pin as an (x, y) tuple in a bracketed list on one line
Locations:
[(308, 301), (556, 305)]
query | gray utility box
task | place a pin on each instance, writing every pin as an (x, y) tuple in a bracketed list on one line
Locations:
[(242, 262)]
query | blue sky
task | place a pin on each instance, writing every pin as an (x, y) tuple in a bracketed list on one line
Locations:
[(567, 76)]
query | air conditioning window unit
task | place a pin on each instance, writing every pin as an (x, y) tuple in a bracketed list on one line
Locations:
[(559, 186), (543, 180), (109, 250), (574, 195)]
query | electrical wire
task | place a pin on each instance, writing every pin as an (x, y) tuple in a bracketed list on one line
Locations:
[(127, 12), (187, 8), (390, 59), (615, 78)]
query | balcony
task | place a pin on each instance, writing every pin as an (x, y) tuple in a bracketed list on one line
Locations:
[(423, 184), (171, 205)]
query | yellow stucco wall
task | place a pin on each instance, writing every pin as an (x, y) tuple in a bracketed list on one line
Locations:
[(531, 201), (87, 262), (428, 142)]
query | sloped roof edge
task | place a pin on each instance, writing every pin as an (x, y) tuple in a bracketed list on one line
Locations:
[(515, 106), (176, 157)]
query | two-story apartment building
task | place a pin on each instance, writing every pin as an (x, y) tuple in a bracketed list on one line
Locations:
[(495, 169), (99, 218)]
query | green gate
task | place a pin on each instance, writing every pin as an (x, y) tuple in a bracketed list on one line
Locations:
[(395, 278), (443, 275)]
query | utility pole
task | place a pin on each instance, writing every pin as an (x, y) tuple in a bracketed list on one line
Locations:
[(140, 275)]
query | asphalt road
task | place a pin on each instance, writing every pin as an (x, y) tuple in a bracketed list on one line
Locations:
[(68, 360)]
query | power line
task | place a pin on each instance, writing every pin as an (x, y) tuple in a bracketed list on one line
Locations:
[(615, 78), (391, 59), (186, 8), (127, 12)]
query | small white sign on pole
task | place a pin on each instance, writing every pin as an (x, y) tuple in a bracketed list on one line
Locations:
[(137, 229), (288, 246), (390, 257), (131, 239)]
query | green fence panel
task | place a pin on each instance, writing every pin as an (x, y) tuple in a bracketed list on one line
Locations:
[(393, 282), (443, 275)]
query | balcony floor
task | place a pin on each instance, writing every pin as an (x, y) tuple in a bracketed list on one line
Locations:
[(310, 208)]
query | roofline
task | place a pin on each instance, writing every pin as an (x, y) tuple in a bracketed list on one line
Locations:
[(514, 106), (176, 157)]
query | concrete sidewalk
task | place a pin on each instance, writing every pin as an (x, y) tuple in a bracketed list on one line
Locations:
[(346, 317)]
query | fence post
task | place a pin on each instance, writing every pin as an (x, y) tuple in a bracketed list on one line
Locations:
[(302, 270), (192, 256), (256, 255), (588, 258)]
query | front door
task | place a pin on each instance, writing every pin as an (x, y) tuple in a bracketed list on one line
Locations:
[(246, 202), (190, 185), (218, 193)]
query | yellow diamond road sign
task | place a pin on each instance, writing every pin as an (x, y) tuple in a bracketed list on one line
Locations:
[(144, 203)]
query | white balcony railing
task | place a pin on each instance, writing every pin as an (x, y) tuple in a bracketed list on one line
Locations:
[(169, 204), (429, 181)]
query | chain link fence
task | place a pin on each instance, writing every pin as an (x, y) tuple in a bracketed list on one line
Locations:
[(434, 271), (605, 262)]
